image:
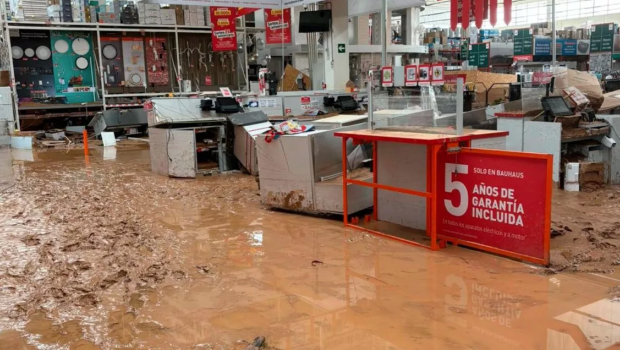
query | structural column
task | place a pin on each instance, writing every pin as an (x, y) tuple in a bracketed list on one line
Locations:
[(337, 61)]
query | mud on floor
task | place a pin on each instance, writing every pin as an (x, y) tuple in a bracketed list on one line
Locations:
[(586, 231), (76, 238)]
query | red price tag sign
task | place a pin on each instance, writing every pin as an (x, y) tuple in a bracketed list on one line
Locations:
[(497, 201)]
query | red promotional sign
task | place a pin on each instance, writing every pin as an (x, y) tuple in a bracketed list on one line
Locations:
[(498, 201), (541, 77), (242, 11), (387, 77), (224, 31), (437, 70), (451, 79), (411, 75), (424, 74), (278, 26)]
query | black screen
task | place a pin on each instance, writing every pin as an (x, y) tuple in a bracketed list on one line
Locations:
[(314, 21)]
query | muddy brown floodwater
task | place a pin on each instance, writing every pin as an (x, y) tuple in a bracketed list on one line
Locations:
[(105, 254)]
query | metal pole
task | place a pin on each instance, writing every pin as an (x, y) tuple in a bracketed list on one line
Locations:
[(179, 76), (553, 35), (459, 106), (245, 56), (100, 64), (7, 38), (384, 34), (371, 117)]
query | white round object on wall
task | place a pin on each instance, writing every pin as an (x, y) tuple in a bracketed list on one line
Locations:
[(44, 53), (80, 46), (29, 52), (61, 46), (17, 52), (109, 52), (81, 63)]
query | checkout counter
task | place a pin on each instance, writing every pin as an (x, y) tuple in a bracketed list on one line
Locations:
[(303, 172)]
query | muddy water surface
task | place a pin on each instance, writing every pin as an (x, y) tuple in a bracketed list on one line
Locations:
[(106, 255)]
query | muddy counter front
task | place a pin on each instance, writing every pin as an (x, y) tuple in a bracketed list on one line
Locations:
[(303, 172)]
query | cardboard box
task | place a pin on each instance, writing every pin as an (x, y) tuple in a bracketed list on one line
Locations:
[(587, 83), (168, 17), (591, 174), (152, 13), (152, 20), (152, 7)]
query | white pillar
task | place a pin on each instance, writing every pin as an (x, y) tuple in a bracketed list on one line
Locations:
[(412, 21), (337, 63)]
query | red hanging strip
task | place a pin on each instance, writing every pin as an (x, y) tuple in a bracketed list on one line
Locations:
[(465, 14), (507, 11), (479, 13), (493, 12), (454, 9)]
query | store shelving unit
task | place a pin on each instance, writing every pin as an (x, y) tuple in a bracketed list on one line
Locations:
[(97, 29)]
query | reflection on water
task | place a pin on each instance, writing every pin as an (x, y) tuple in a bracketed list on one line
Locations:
[(307, 283)]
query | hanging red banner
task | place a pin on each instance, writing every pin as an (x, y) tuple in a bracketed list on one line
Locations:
[(465, 12), (479, 13), (224, 31), (472, 9), (507, 11), (454, 9), (278, 26), (242, 11), (493, 14)]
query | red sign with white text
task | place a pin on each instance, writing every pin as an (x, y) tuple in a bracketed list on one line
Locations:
[(451, 79), (541, 77), (499, 201), (224, 31), (278, 26)]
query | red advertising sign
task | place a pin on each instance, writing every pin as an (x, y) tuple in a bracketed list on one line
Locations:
[(224, 31), (541, 77), (278, 26), (387, 76), (424, 74), (411, 75), (499, 201), (242, 11), (451, 79), (437, 73)]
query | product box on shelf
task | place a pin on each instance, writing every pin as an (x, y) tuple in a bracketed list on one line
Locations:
[(152, 13), (168, 17), (152, 20), (152, 7), (105, 17)]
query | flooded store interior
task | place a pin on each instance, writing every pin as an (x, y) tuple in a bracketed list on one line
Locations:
[(104, 254)]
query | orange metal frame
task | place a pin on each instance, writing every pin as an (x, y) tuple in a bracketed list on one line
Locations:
[(437, 240), (430, 194)]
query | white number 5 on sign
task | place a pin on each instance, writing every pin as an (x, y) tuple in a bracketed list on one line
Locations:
[(458, 186)]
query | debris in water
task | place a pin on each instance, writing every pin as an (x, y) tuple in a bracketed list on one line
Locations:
[(316, 262)]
